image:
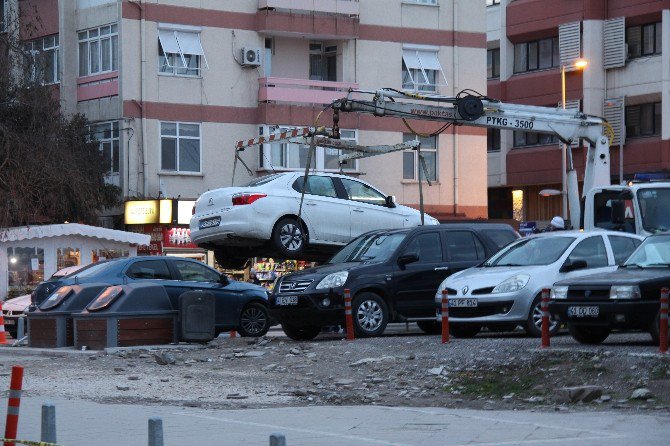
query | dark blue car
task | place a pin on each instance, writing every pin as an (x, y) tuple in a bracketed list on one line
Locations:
[(240, 306)]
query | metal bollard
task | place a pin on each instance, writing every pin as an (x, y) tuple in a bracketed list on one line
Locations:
[(544, 306), (155, 431), (663, 323), (13, 403), (20, 328), (233, 333), (445, 316), (48, 423), (277, 440), (347, 315)]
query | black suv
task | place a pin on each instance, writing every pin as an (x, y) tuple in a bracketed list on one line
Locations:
[(392, 275)]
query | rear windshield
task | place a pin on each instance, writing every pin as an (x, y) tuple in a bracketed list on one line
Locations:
[(370, 248), (501, 237), (262, 180)]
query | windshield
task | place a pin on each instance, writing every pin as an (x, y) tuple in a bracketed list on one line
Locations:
[(90, 270), (532, 251), (654, 251), (262, 180), (654, 204), (372, 247)]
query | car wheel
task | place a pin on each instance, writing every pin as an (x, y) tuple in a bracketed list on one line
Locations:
[(289, 237), (227, 261), (301, 333), (254, 320), (464, 330), (370, 314), (430, 327), (502, 328), (655, 329), (589, 335), (534, 323)]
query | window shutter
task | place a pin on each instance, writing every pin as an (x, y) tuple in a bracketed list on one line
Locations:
[(614, 43), (572, 105), (570, 42), (613, 113)]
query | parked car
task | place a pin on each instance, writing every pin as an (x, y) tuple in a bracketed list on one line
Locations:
[(261, 217), (505, 291), (625, 299), (16, 308), (391, 274), (239, 305)]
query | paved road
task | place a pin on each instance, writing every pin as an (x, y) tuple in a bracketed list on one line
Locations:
[(92, 424)]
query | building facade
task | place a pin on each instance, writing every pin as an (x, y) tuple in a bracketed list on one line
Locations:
[(626, 81), (171, 85)]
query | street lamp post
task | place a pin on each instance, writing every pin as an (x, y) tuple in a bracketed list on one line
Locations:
[(565, 154)]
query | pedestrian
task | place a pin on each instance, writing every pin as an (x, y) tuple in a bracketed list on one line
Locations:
[(557, 224), (253, 278)]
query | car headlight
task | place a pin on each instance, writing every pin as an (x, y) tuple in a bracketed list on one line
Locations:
[(333, 280), (559, 292), (514, 283), (625, 292)]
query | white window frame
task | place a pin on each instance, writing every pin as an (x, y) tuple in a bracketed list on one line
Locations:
[(97, 133), (42, 45), (88, 37), (287, 149), (417, 164), (177, 42), (423, 2), (417, 62), (178, 137)]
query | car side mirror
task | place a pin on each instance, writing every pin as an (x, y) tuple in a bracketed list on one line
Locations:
[(390, 201), (408, 258), (618, 212), (573, 266), (224, 280)]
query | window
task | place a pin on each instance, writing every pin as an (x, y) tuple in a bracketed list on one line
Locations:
[(623, 247), (463, 246), (420, 69), (643, 120), (4, 15), (98, 50), (410, 158), (98, 255), (150, 269), (643, 40), (179, 52), (66, 257), (26, 267), (427, 246), (293, 156), (493, 140), (602, 211), (43, 57), (316, 185), (180, 147), (423, 2), (196, 273), (493, 63), (107, 135), (322, 62), (492, 2), (500, 238), (592, 251), (362, 192), (536, 55), (526, 139)]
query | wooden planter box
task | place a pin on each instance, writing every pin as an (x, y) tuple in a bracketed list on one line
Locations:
[(115, 330)]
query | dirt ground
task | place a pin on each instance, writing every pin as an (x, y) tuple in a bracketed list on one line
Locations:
[(491, 371)]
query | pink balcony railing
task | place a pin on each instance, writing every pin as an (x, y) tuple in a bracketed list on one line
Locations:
[(98, 86), (345, 7), (301, 90)]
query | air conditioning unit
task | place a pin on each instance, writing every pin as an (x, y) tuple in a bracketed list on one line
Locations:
[(251, 57)]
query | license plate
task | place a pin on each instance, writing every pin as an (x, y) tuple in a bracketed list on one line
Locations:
[(209, 222), (287, 300), (592, 311), (459, 302)]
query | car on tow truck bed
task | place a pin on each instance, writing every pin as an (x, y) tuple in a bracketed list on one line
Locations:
[(626, 299)]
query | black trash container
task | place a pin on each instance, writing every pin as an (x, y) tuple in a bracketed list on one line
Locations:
[(126, 315), (50, 325), (196, 316)]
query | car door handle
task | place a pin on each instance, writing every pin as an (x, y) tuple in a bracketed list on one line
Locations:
[(309, 203), (359, 210), (441, 268)]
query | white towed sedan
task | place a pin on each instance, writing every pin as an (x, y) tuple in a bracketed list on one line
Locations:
[(505, 291), (260, 219)]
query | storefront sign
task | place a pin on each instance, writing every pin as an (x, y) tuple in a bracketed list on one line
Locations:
[(148, 211), (178, 238)]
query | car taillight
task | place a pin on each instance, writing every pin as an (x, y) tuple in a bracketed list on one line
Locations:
[(246, 198), (193, 210)]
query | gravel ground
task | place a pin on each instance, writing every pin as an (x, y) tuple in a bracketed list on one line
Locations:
[(404, 367)]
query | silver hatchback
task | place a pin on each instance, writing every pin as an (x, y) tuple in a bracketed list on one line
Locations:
[(505, 291)]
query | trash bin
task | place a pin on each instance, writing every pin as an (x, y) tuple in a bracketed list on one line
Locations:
[(50, 325), (196, 316), (126, 315)]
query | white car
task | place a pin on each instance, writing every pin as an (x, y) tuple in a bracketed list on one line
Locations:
[(505, 291), (260, 219)]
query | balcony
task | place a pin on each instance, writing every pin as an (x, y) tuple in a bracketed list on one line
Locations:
[(301, 91), (312, 19), (343, 7), (98, 86)]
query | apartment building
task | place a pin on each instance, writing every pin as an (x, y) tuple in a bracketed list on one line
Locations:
[(625, 81), (171, 85)]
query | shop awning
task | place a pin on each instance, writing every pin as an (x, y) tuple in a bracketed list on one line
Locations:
[(47, 231)]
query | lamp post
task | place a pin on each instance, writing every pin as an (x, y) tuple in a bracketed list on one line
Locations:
[(576, 65)]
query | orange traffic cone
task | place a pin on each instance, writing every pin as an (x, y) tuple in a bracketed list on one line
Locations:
[(3, 335)]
